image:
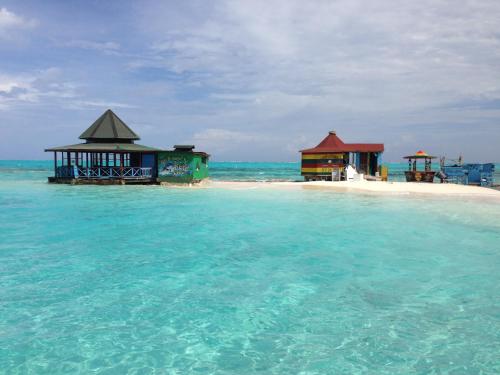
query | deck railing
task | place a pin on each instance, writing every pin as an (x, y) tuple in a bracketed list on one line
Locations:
[(104, 172)]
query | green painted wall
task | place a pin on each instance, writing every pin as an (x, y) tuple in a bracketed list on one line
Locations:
[(181, 167)]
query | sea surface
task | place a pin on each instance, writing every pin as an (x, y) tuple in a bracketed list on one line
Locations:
[(155, 280)]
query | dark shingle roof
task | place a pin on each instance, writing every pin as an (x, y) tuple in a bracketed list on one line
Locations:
[(104, 147), (109, 126)]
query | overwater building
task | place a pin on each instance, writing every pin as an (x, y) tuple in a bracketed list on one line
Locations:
[(110, 155), (330, 158)]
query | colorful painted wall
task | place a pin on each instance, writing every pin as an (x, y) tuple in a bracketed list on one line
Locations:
[(182, 167), (322, 164)]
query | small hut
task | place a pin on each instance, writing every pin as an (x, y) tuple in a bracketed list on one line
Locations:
[(110, 155), (182, 165), (331, 156)]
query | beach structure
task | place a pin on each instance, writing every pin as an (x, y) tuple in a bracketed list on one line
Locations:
[(466, 174), (413, 174), (110, 155), (330, 158), (182, 165)]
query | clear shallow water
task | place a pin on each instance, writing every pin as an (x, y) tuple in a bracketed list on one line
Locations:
[(124, 279), (232, 171)]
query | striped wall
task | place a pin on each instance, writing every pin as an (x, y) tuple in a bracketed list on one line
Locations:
[(321, 164)]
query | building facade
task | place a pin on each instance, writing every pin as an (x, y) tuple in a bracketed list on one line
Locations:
[(110, 155), (329, 159), (182, 165)]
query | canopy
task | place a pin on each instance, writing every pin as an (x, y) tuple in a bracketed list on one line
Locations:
[(420, 155), (109, 127), (332, 143)]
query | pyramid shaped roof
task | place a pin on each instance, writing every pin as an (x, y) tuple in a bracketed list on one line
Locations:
[(109, 127), (332, 143)]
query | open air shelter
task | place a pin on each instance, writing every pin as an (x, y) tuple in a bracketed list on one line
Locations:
[(109, 155)]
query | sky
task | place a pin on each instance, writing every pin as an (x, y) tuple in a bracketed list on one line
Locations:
[(254, 80)]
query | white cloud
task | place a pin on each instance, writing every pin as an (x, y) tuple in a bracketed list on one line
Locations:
[(223, 135), (84, 104), (356, 55), (223, 141), (11, 22), (106, 47), (303, 66), (271, 74), (47, 86)]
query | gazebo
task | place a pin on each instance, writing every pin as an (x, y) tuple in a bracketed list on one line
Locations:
[(413, 175), (109, 155)]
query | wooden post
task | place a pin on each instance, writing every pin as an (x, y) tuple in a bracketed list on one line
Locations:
[(55, 164), (121, 164)]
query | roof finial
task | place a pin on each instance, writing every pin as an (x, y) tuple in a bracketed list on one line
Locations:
[(333, 132)]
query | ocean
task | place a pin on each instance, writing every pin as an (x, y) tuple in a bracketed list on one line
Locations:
[(155, 280), (230, 171)]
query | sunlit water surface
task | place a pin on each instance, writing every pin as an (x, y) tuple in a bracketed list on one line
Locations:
[(140, 279)]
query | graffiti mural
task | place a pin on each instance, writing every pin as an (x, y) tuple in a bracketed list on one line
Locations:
[(174, 166)]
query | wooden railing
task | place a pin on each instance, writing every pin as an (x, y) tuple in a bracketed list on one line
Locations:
[(104, 172)]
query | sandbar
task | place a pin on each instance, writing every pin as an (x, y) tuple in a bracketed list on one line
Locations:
[(363, 186)]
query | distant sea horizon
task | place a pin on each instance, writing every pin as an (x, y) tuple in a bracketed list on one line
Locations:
[(218, 170)]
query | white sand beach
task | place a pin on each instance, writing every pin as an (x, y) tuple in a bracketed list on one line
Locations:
[(377, 187)]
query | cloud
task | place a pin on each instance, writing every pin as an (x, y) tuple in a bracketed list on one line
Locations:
[(357, 55), (223, 141), (83, 104), (11, 22), (311, 66), (270, 76), (34, 86), (106, 47), (223, 135)]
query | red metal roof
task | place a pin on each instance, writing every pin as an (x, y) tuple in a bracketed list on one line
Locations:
[(332, 143)]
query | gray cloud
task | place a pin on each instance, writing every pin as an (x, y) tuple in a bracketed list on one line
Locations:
[(277, 75), (370, 65)]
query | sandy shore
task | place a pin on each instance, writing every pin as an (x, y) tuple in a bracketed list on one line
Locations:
[(364, 186)]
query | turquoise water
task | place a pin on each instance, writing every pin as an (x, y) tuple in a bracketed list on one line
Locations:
[(143, 280), (235, 171)]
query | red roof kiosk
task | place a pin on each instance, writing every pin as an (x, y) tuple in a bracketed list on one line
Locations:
[(331, 156)]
